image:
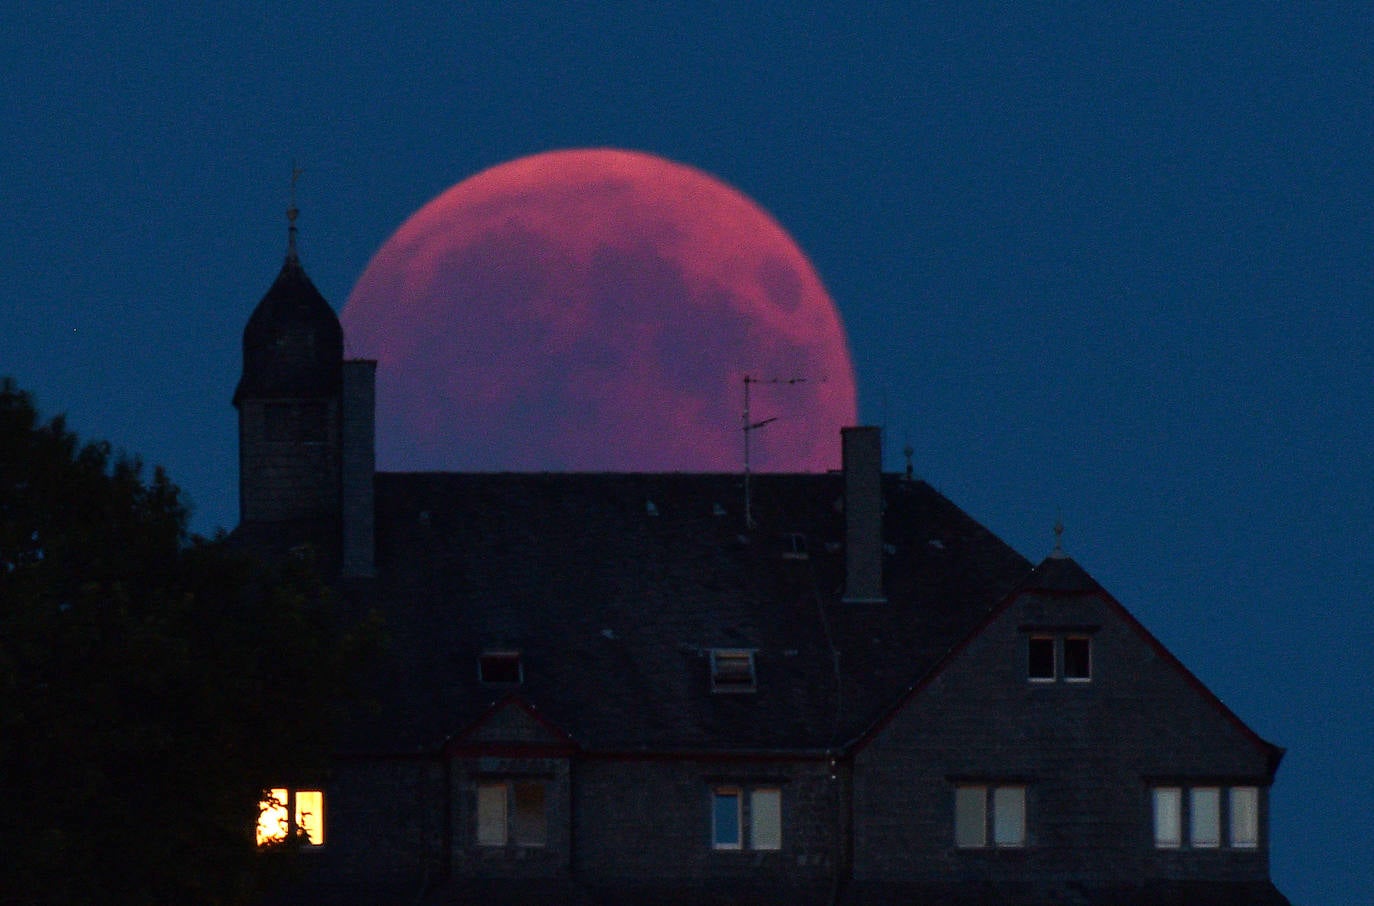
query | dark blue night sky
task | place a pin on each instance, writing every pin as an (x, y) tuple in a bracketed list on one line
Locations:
[(1107, 262)]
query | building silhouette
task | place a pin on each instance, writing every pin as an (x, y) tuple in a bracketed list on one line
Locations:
[(616, 688)]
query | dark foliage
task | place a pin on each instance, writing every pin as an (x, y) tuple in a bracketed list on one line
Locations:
[(151, 684)]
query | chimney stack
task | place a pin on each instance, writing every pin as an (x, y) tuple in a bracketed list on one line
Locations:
[(358, 467), (863, 514)]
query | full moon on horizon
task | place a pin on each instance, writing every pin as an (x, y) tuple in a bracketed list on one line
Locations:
[(599, 310)]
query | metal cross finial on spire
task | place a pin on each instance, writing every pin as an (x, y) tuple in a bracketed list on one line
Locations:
[(292, 212), (1058, 552)]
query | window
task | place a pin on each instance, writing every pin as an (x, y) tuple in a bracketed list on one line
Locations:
[(291, 814), (1245, 817), (725, 818), (728, 818), (1204, 819), (973, 817), (1054, 655), (765, 819), (512, 812), (732, 670), (1168, 814), (500, 668), (1040, 663), (794, 547), (1077, 658)]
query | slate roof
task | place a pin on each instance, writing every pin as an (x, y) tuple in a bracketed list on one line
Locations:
[(307, 365), (614, 587)]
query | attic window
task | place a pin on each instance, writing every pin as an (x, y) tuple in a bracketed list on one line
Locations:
[(500, 668), (794, 547), (732, 670)]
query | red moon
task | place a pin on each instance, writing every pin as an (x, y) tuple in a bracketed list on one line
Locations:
[(598, 310)]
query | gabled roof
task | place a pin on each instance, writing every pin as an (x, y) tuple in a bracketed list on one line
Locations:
[(1061, 576), (615, 587)]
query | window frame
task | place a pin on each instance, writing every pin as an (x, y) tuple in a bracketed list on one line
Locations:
[(292, 817), (980, 813), (1086, 676), (1206, 815), (719, 795), (1032, 662), (507, 816), (726, 673), (771, 837), (492, 667), (757, 805)]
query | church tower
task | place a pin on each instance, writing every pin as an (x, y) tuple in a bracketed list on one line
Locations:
[(306, 427)]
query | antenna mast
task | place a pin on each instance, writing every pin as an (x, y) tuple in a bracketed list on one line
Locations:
[(750, 427)]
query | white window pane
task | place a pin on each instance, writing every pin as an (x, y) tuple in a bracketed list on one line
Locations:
[(529, 826), (1168, 804), (1204, 823), (1245, 816), (970, 816), (725, 823), (273, 824), (491, 814), (310, 815), (1009, 816), (765, 819)]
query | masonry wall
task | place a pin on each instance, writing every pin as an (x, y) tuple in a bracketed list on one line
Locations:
[(288, 459), (1087, 753), (646, 819), (384, 820)]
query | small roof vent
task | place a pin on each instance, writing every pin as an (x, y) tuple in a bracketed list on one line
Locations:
[(732, 670), (500, 668)]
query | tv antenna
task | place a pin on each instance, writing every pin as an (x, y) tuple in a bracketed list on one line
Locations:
[(750, 426)]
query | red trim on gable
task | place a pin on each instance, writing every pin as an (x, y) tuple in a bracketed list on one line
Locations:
[(1274, 754), (463, 742)]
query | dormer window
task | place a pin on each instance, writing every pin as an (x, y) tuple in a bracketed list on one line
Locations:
[(732, 670), (500, 668)]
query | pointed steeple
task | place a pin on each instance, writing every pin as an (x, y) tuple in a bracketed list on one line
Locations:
[(293, 344)]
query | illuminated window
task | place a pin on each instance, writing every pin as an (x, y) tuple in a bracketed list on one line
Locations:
[(732, 670), (291, 814), (973, 817), (512, 812)]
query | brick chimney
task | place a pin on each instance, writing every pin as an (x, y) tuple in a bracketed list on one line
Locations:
[(358, 467), (863, 514)]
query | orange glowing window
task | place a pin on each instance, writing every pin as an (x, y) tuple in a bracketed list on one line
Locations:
[(285, 814)]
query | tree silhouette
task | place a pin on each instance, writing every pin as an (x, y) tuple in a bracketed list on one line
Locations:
[(152, 684)]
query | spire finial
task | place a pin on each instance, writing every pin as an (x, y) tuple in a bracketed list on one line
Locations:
[(292, 212), (908, 452), (1058, 552)]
